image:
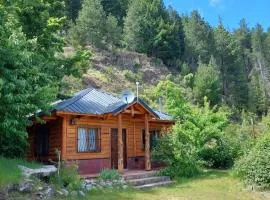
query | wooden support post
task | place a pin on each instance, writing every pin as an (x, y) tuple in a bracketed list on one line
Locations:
[(120, 144), (64, 137), (147, 145)]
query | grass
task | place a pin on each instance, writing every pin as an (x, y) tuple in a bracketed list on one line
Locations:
[(212, 185), (9, 171)]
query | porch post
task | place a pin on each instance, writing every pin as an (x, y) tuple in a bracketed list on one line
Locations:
[(147, 145), (64, 138), (120, 144)]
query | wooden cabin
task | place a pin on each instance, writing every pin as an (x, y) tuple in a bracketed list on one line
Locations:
[(85, 128)]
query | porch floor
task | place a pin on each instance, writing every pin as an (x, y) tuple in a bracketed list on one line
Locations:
[(126, 172)]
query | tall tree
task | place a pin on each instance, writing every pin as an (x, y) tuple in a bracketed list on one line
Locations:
[(227, 51), (259, 53), (141, 25), (72, 9), (207, 82), (257, 98), (116, 8), (169, 42), (198, 39), (31, 66), (149, 28), (93, 27)]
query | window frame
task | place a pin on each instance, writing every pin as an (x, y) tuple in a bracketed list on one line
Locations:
[(98, 141)]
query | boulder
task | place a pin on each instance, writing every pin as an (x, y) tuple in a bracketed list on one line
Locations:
[(44, 171), (26, 185)]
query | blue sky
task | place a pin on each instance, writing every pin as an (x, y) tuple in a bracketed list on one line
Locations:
[(231, 11)]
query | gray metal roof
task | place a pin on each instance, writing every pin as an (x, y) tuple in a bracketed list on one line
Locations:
[(93, 101)]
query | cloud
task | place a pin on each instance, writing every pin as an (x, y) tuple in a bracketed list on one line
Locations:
[(215, 3)]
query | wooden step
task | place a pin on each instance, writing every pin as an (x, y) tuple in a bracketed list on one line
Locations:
[(148, 180), (152, 185), (140, 175)]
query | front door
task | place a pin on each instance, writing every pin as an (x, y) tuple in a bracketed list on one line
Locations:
[(114, 148)]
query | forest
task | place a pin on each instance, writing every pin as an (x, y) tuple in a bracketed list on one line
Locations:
[(218, 88)]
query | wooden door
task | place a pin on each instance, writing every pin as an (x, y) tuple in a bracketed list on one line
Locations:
[(114, 148)]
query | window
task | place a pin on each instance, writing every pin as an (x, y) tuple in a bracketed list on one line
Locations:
[(154, 135), (88, 140)]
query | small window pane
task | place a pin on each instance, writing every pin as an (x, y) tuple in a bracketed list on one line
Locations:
[(82, 144), (88, 140)]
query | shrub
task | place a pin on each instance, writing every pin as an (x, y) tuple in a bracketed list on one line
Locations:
[(109, 174), (254, 168), (68, 177), (218, 153), (180, 156)]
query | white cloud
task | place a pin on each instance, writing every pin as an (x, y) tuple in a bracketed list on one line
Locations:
[(214, 3)]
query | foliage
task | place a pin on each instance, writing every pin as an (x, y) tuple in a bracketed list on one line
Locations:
[(177, 151), (109, 174), (171, 96), (197, 137), (207, 82), (68, 177), (199, 40), (31, 68), (93, 27), (10, 172), (253, 168), (150, 29)]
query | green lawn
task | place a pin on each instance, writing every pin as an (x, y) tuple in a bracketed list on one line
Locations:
[(212, 185)]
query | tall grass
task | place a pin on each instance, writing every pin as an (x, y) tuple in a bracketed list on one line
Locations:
[(9, 171)]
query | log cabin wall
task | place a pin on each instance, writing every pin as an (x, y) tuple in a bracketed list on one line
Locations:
[(93, 162), (54, 139)]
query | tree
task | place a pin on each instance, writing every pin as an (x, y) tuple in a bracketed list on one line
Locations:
[(93, 27), (116, 8), (234, 85), (257, 98), (90, 24), (174, 103), (72, 9), (141, 25), (207, 82), (31, 67), (198, 39), (259, 53), (169, 42), (149, 28)]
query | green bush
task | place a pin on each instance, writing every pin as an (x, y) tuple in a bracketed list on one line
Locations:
[(218, 153), (68, 177), (254, 167), (109, 174), (180, 156)]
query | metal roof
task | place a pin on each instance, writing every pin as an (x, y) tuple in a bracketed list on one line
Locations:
[(93, 101)]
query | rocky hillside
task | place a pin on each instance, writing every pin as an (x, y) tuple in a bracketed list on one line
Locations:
[(117, 70)]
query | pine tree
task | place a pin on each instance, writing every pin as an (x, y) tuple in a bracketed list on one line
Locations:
[(198, 39), (207, 82), (93, 27), (259, 53), (116, 8), (257, 98), (141, 25), (90, 24), (72, 9)]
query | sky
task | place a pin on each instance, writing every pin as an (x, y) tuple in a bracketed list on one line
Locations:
[(230, 11)]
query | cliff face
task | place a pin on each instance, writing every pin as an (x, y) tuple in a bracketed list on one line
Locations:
[(117, 70)]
